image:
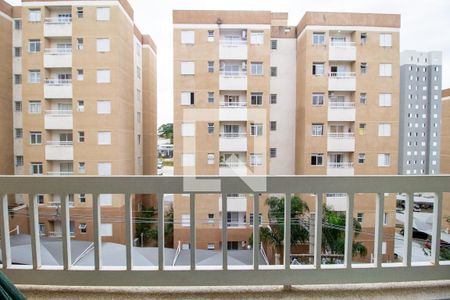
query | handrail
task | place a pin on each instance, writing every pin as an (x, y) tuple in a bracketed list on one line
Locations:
[(340, 165), (233, 74), (341, 105), (342, 44), (60, 143), (233, 104), (177, 253), (58, 113), (58, 51), (341, 135), (232, 164), (233, 42), (58, 20), (55, 173), (341, 75), (232, 135), (57, 82)]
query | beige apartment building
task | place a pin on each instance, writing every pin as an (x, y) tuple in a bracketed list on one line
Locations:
[(445, 155), (326, 96), (83, 103)]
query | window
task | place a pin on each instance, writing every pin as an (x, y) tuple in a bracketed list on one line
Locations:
[(103, 107), (384, 129), (83, 226), (256, 129), (210, 35), (317, 159), (17, 79), (385, 218), (36, 168), (82, 198), (80, 43), (81, 167), (385, 40), (361, 158), (34, 107), (17, 51), (104, 138), (80, 105), (363, 38), (385, 70), (187, 68), (103, 76), (18, 133), (210, 218), (17, 106), (80, 12), (17, 24), (318, 69), (211, 246), (103, 13), (210, 67), (363, 68), (360, 217), (81, 137), (187, 37), (187, 98), (256, 98), (273, 44), (19, 160), (34, 15), (251, 219), (273, 125), (34, 76), (34, 46), (362, 128), (210, 97), (210, 158), (185, 220), (188, 129), (256, 159), (273, 71), (273, 98), (80, 74), (103, 45), (317, 99), (35, 138), (384, 160), (257, 37), (273, 152), (317, 130), (104, 169), (39, 200), (385, 100), (256, 68), (210, 128), (187, 160), (318, 38)]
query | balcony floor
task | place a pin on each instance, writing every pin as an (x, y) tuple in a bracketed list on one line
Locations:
[(416, 290)]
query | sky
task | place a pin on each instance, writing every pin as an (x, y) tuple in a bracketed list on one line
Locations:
[(424, 27)]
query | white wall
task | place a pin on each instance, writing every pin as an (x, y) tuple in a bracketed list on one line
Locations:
[(284, 85)]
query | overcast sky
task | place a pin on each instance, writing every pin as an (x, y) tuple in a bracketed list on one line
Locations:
[(425, 26)]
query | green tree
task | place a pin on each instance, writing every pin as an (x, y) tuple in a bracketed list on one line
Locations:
[(166, 131), (146, 225), (168, 228)]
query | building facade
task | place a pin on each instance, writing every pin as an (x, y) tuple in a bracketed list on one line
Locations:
[(445, 155), (329, 91), (420, 112), (83, 103)]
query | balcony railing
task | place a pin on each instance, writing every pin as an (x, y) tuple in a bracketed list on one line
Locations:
[(340, 165), (58, 20), (233, 42), (60, 143), (342, 44), (341, 105), (234, 164), (58, 113), (341, 75), (58, 234), (60, 173), (232, 135), (224, 274), (341, 135), (58, 82), (233, 104), (58, 204), (58, 51), (233, 74)]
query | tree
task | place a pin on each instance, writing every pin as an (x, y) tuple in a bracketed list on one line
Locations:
[(333, 234), (166, 131), (145, 225)]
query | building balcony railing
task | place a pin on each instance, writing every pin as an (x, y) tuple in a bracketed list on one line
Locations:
[(58, 58), (341, 111), (58, 51), (341, 105), (58, 113), (59, 234), (233, 49), (58, 204), (58, 119), (58, 89), (342, 44), (163, 273), (233, 42), (59, 173), (340, 165), (341, 81), (58, 82), (233, 104), (58, 27), (232, 135), (341, 135), (58, 20), (341, 142), (59, 150), (341, 75)]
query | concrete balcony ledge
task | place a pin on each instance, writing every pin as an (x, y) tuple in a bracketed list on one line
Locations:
[(400, 290)]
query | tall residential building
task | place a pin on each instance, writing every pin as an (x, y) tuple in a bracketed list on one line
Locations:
[(83, 103), (420, 111), (326, 95), (445, 155)]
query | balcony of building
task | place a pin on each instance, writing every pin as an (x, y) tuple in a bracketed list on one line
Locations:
[(341, 77), (60, 168), (341, 47), (233, 44), (233, 75), (337, 201), (58, 21), (58, 57), (58, 85), (340, 108), (55, 202), (233, 164), (58, 119), (233, 137), (341, 137), (233, 106), (341, 168), (59, 150), (34, 260)]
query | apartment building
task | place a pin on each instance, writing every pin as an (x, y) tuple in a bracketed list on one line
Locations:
[(445, 155), (420, 111), (329, 89), (348, 106), (84, 103)]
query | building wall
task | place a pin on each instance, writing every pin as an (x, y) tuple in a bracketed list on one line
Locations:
[(445, 155), (420, 100)]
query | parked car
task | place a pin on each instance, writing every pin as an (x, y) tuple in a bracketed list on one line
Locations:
[(416, 234)]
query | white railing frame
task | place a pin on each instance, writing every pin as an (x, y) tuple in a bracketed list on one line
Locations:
[(341, 135), (58, 82), (58, 51), (233, 43), (233, 104), (58, 113), (340, 165), (341, 105), (58, 20), (342, 44), (341, 75), (233, 74), (232, 135), (285, 274)]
